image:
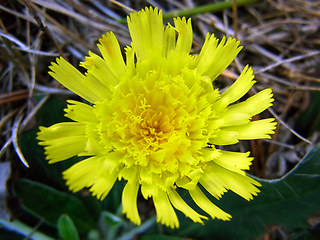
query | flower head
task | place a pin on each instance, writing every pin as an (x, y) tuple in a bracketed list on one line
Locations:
[(155, 120)]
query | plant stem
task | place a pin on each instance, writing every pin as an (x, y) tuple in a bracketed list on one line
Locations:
[(213, 7)]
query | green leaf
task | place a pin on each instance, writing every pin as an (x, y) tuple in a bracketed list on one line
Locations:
[(52, 112), (159, 237), (287, 201), (67, 229), (49, 203)]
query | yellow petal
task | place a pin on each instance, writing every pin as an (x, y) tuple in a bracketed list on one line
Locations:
[(62, 140), (169, 42), (83, 174), (165, 212), (255, 104), (148, 190), (130, 62), (254, 130), (234, 161), (185, 37), (146, 175), (190, 181), (242, 185), (80, 112), (203, 202), (237, 90), (146, 30), (104, 183), (111, 53), (213, 185), (225, 137), (61, 130), (209, 154), (128, 173), (64, 148), (213, 58), (71, 78), (93, 146), (233, 117), (181, 205), (129, 201), (98, 172), (170, 178), (99, 70)]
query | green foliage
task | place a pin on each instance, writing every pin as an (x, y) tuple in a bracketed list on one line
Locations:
[(67, 229), (52, 112), (49, 203), (159, 237)]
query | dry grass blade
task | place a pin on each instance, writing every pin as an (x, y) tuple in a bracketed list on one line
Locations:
[(296, 58), (13, 96), (6, 118), (14, 138), (235, 18), (122, 6), (34, 111), (288, 127)]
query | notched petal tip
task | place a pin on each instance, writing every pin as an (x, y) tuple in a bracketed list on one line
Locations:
[(185, 35), (165, 213), (129, 201), (111, 53), (205, 204), (182, 206), (55, 65), (146, 31), (146, 10), (74, 80), (216, 56)]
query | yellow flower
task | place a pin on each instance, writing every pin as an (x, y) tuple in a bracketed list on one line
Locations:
[(155, 119)]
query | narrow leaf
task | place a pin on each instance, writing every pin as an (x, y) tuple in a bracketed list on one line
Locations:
[(49, 203), (67, 229)]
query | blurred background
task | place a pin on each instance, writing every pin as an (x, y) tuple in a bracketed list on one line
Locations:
[(280, 41)]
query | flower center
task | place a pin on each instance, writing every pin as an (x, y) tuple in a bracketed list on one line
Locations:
[(159, 122), (156, 127)]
